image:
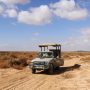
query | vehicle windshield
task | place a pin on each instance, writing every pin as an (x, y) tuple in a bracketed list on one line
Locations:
[(45, 55)]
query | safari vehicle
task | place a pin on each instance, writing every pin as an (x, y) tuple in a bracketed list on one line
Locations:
[(48, 59)]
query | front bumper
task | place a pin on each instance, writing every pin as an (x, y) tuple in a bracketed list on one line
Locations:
[(39, 67)]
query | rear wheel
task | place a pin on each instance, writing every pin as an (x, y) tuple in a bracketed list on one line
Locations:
[(33, 71), (51, 69), (57, 68)]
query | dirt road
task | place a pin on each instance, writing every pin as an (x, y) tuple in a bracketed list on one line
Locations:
[(75, 75)]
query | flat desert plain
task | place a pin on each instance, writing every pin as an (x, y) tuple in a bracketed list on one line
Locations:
[(74, 75)]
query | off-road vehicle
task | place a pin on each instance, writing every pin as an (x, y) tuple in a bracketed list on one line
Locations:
[(48, 59)]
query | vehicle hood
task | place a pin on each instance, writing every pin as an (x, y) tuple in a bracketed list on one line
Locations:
[(42, 59)]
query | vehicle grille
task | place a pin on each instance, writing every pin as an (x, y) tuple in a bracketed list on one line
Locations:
[(39, 63)]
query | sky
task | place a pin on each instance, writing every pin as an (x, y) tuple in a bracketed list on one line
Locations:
[(24, 24)]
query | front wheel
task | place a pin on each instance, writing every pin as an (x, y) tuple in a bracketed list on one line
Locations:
[(57, 68), (51, 69), (33, 71)]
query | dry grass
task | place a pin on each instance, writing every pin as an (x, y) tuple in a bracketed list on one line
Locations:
[(7, 59), (70, 55), (4, 64), (16, 60), (86, 59), (67, 56), (76, 53)]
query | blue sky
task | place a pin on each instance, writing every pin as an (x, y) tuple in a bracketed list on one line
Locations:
[(26, 23)]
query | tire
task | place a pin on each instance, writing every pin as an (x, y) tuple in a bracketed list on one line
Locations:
[(51, 69), (57, 68), (33, 71)]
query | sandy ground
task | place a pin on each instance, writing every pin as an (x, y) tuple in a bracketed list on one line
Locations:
[(74, 75)]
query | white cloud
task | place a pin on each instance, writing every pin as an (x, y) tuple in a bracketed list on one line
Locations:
[(81, 42), (1, 10), (36, 16), (86, 35), (68, 9), (12, 13), (12, 2)]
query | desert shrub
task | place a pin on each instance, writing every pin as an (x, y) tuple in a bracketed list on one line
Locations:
[(13, 56), (30, 56), (4, 64), (5, 57), (22, 62), (76, 53), (85, 59), (67, 56), (19, 67), (16, 60), (17, 63)]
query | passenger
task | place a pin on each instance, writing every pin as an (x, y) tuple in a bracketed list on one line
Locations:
[(45, 55)]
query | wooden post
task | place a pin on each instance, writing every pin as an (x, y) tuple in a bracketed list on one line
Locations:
[(47, 47), (41, 48), (60, 51), (44, 48), (56, 47)]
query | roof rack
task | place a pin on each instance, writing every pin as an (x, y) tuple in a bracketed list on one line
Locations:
[(46, 45), (57, 48)]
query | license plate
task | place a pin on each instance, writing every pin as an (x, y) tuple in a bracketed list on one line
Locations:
[(38, 66)]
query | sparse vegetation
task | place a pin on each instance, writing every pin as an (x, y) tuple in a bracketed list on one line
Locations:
[(72, 76), (70, 55), (21, 59), (86, 58), (4, 64), (16, 60), (67, 56)]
